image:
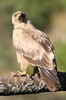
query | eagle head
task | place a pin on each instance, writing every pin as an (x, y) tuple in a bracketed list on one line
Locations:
[(19, 17)]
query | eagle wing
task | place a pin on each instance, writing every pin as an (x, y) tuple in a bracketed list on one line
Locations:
[(36, 47)]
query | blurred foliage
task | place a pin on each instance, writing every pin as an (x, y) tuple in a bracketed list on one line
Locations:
[(39, 12), (60, 56)]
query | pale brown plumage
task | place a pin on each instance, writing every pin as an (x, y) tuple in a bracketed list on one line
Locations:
[(34, 47)]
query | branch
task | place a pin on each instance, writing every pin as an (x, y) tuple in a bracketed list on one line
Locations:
[(24, 85)]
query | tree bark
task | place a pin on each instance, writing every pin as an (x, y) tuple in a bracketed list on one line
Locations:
[(15, 84)]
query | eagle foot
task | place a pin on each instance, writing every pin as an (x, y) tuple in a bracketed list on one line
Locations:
[(22, 74)]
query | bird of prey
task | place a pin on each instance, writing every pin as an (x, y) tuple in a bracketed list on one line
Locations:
[(33, 47)]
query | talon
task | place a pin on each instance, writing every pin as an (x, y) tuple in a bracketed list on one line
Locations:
[(22, 74), (27, 75), (36, 74)]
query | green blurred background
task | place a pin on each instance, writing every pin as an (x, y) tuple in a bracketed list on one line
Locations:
[(46, 15)]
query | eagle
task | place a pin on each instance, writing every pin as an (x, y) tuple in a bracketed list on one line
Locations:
[(33, 47)]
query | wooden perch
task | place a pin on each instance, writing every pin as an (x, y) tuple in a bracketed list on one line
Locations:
[(24, 85)]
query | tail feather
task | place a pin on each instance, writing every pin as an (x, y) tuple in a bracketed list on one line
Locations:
[(50, 78)]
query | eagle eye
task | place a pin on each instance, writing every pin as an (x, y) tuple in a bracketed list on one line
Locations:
[(15, 15)]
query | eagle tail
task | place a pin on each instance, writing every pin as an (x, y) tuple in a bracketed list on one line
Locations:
[(50, 78)]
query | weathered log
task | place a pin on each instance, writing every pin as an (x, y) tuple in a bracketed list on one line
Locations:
[(25, 85)]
